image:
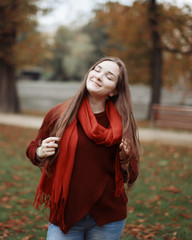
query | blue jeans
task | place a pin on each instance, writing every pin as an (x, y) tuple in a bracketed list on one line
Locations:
[(87, 229)]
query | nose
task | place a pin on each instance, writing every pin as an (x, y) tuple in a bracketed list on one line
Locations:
[(99, 76)]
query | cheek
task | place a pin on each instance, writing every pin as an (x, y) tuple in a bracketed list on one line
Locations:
[(90, 75), (110, 85), (89, 78), (88, 82)]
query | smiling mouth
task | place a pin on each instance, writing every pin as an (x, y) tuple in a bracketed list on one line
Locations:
[(96, 83)]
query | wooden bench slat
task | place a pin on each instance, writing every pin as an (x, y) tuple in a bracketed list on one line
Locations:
[(172, 116), (166, 124), (177, 118), (174, 123), (172, 108)]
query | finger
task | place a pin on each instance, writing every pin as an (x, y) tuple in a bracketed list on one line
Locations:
[(46, 149), (121, 145), (50, 153), (124, 167), (50, 150), (49, 145), (126, 150), (121, 155), (124, 141), (123, 158), (52, 145), (51, 139), (124, 161)]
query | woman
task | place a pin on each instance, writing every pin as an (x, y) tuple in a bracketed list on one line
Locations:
[(88, 148)]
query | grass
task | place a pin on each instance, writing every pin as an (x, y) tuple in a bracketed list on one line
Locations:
[(159, 204)]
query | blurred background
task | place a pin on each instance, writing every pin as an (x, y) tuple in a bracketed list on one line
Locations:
[(46, 48)]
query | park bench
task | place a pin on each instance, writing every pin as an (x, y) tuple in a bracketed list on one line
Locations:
[(172, 116)]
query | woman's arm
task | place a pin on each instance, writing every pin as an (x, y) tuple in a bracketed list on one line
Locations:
[(43, 133)]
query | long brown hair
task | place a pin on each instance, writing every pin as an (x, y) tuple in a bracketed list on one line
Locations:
[(122, 102)]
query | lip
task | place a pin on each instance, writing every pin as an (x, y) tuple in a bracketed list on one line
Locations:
[(96, 83)]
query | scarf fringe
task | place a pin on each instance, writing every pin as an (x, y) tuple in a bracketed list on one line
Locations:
[(41, 198), (57, 209), (57, 212)]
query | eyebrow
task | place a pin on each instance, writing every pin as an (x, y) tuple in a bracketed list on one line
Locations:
[(108, 71)]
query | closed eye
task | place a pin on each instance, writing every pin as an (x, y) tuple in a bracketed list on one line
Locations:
[(110, 77), (97, 68)]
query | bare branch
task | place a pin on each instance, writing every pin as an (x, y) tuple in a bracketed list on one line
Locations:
[(172, 50)]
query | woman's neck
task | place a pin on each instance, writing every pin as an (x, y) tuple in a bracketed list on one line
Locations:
[(97, 104)]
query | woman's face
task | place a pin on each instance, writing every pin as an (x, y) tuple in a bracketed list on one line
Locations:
[(102, 80)]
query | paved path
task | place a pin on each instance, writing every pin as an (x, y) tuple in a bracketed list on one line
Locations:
[(146, 134)]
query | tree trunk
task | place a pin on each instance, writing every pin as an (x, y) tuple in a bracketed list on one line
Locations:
[(9, 101), (156, 57)]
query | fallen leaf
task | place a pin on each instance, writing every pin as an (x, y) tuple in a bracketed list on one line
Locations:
[(153, 188), (28, 237), (140, 220), (181, 175), (155, 199), (17, 178), (172, 189), (24, 202), (131, 209), (149, 236), (43, 227), (186, 215)]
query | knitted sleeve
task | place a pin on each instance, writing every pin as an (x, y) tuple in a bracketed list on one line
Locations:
[(44, 132)]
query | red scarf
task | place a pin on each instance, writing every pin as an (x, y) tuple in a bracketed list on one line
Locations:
[(53, 191)]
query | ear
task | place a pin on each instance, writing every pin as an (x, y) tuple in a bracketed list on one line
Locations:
[(115, 92)]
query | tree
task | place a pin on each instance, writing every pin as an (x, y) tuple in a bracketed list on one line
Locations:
[(156, 55), (126, 38), (72, 51), (99, 37), (81, 53), (59, 48), (17, 18), (144, 37), (171, 31), (176, 35)]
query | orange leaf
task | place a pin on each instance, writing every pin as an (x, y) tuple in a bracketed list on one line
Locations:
[(171, 189), (28, 237), (186, 215), (140, 220), (131, 209)]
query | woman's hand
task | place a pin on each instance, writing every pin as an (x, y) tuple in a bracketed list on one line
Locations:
[(124, 154), (48, 147)]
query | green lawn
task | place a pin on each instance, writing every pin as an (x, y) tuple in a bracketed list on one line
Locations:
[(159, 204)]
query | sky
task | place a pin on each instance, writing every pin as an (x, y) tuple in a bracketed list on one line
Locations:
[(77, 12)]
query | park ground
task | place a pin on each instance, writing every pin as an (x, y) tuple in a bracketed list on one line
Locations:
[(159, 204)]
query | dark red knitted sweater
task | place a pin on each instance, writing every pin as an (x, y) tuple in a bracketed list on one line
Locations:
[(92, 184)]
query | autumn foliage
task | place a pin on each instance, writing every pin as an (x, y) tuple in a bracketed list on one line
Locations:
[(128, 32), (115, 30), (19, 44)]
